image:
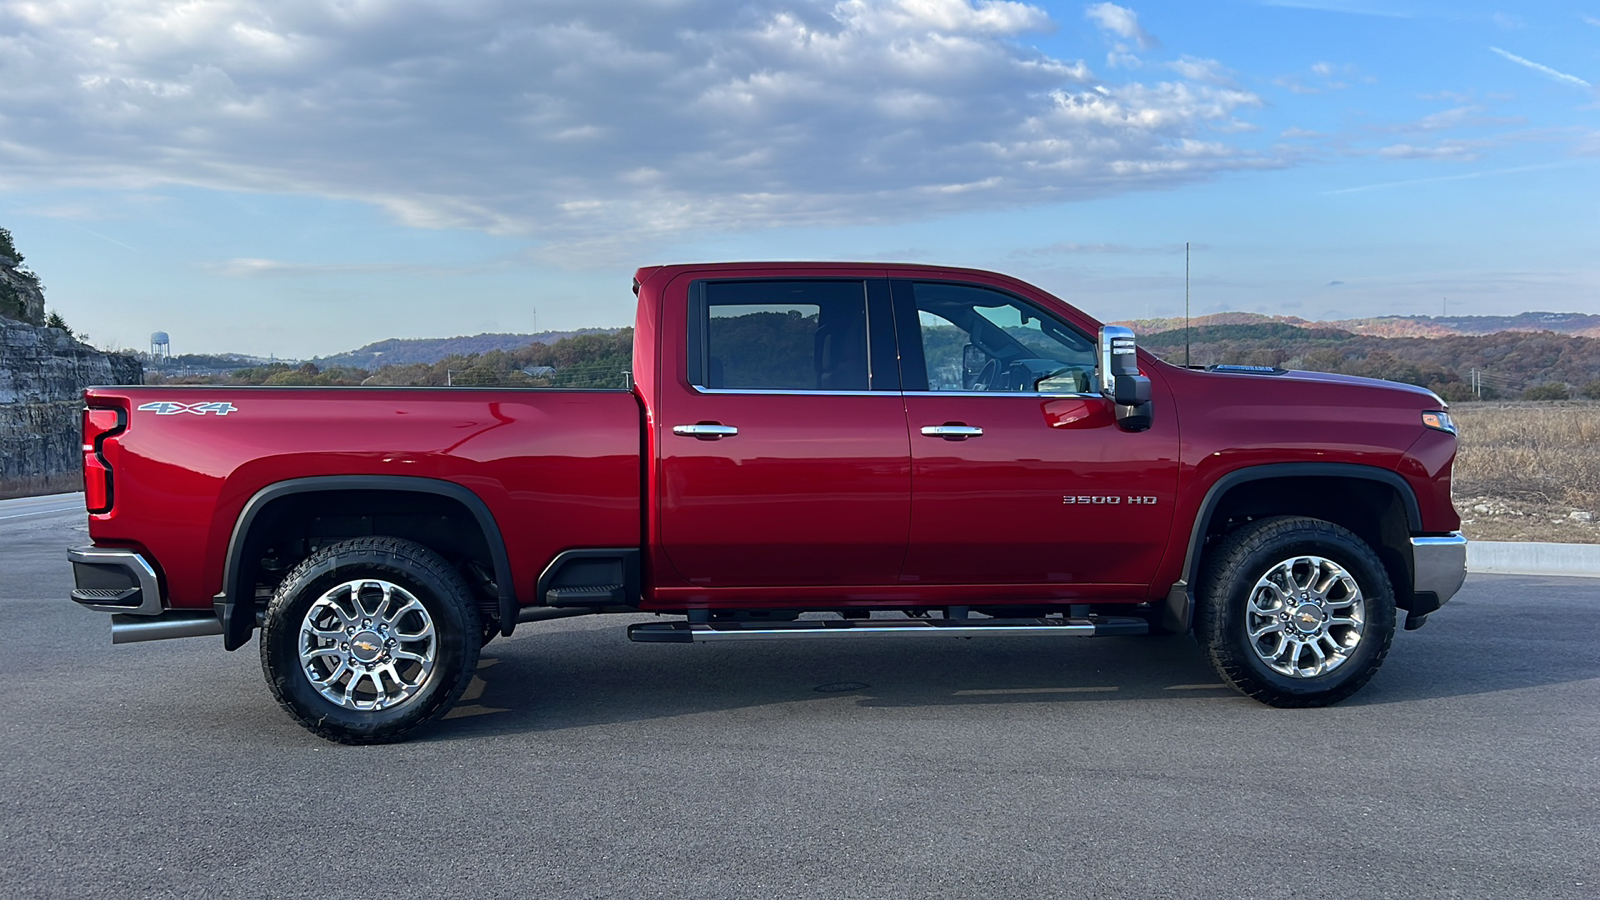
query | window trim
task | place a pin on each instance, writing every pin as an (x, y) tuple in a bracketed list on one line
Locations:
[(791, 391)]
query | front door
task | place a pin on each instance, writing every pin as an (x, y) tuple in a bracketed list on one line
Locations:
[(782, 448), (1020, 473)]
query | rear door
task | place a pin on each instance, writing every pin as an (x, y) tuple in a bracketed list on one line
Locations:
[(781, 435), (1020, 474)]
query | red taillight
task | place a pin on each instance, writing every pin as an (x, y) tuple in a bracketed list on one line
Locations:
[(98, 424)]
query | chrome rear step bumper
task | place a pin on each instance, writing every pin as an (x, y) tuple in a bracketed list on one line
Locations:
[(706, 632)]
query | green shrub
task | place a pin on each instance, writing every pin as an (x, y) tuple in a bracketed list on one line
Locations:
[(1555, 391)]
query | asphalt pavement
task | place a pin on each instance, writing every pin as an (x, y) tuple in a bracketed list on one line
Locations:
[(581, 765)]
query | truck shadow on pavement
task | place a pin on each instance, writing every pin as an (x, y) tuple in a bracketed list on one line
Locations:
[(586, 673)]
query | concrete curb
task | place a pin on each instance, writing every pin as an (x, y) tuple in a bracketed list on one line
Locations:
[(1531, 558)]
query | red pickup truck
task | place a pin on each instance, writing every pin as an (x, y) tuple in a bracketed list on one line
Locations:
[(801, 451)]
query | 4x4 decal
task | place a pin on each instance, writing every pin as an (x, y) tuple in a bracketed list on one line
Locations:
[(170, 408)]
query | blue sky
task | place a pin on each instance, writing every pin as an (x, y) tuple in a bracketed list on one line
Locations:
[(305, 176)]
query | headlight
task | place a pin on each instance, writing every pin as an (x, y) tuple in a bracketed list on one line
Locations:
[(1439, 421)]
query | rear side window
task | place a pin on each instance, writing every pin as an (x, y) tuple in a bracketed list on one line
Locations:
[(779, 335)]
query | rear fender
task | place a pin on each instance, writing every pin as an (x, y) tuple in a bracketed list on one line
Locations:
[(236, 604)]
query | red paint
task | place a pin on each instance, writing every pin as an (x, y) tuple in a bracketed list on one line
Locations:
[(556, 469), (991, 510), (820, 501), (1078, 412)]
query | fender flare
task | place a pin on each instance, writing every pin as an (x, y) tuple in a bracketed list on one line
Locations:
[(1179, 612), (238, 618)]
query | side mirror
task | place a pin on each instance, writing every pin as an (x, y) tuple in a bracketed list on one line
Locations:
[(972, 362), (972, 359), (1120, 379)]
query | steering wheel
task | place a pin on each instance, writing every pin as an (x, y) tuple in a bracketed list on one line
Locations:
[(987, 376)]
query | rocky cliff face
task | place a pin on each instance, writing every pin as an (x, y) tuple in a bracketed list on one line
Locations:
[(43, 372), (20, 297)]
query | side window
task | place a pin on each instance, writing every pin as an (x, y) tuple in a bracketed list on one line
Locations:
[(780, 335), (976, 339)]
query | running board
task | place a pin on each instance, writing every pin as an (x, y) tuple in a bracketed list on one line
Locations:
[(703, 632)]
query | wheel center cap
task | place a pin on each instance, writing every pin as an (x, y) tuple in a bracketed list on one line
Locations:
[(366, 646), (1308, 618)]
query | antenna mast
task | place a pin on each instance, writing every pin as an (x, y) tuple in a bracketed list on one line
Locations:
[(1186, 304)]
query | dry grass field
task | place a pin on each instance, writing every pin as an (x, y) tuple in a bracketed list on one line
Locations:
[(33, 487), (1529, 471)]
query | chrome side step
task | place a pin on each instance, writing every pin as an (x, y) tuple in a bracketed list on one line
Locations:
[(705, 632)]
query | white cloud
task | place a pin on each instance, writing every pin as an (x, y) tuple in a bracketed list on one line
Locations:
[(1467, 176), (1385, 11), (1446, 119), (1072, 248), (251, 267), (1331, 77), (1442, 151), (591, 124), (1122, 22), (1542, 69), (1471, 115), (1194, 68)]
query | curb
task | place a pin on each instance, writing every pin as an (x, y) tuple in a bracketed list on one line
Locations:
[(1531, 558)]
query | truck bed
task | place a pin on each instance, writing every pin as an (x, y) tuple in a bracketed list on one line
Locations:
[(559, 468)]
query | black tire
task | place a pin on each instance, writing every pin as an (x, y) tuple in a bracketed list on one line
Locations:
[(324, 580), (1261, 551)]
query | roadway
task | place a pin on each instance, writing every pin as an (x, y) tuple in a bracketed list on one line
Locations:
[(581, 765)]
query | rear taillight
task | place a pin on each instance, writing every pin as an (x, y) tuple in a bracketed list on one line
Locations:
[(98, 424)]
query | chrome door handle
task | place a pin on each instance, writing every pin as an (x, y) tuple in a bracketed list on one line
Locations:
[(705, 432), (952, 432)]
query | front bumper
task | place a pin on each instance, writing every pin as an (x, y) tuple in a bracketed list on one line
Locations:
[(1439, 566)]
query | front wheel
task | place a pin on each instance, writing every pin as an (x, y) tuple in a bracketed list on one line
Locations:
[(369, 638), (1295, 612)]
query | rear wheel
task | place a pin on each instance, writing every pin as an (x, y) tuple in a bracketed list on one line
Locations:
[(369, 638), (1295, 612)]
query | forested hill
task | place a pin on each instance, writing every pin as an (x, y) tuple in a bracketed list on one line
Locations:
[(1581, 324), (411, 351), (1530, 365), (1509, 363), (597, 358)]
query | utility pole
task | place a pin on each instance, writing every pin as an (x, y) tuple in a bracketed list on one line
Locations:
[(1186, 304)]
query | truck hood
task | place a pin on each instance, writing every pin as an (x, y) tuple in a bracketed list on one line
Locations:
[(1329, 378)]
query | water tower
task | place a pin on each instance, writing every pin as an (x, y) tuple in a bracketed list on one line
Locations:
[(160, 348)]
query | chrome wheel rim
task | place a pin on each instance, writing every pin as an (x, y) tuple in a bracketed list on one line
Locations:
[(368, 645), (1305, 616)]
